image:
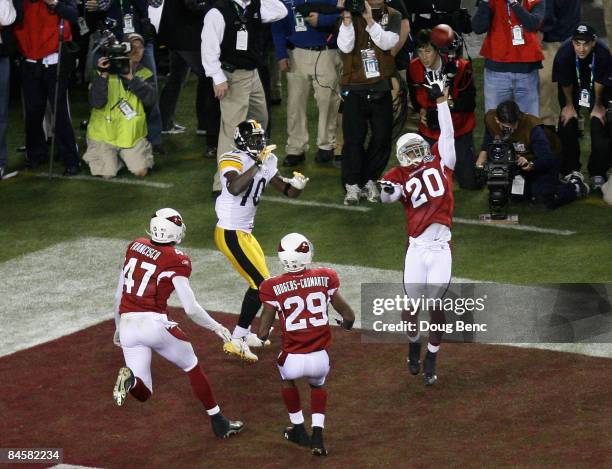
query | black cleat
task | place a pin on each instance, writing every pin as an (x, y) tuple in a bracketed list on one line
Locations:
[(429, 369), (316, 443), (297, 434), (224, 428), (294, 160), (414, 358)]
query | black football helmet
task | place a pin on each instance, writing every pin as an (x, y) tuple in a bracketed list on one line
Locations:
[(250, 136)]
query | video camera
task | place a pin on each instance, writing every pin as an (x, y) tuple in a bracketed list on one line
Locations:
[(355, 6), (500, 169), (117, 52), (441, 12)]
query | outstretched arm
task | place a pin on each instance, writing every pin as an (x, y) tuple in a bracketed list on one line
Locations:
[(291, 187), (193, 309), (343, 308), (390, 191)]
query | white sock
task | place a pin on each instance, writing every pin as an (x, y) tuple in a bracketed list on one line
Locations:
[(433, 348), (239, 332), (318, 420), (296, 418), (214, 411)]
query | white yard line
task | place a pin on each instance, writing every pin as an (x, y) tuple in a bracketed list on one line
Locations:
[(312, 203), (536, 229), (129, 182)]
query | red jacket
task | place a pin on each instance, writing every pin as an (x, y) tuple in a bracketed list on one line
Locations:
[(464, 121), (498, 46), (38, 34)]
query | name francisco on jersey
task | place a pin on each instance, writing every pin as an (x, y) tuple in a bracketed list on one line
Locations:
[(145, 250)]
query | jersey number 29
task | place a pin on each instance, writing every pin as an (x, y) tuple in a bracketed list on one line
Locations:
[(414, 187), (316, 306)]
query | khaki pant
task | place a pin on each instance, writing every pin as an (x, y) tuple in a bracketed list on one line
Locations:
[(245, 99), (325, 84), (106, 160), (549, 100), (607, 8)]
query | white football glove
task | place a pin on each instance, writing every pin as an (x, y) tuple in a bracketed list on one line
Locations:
[(116, 340), (224, 333), (298, 181), (388, 186), (435, 83)]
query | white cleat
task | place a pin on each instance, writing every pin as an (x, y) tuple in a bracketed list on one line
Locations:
[(239, 348), (125, 382), (352, 194), (253, 341), (370, 191)]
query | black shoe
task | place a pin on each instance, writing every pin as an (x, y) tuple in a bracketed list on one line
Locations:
[(71, 171), (275, 101), (159, 150), (316, 442), (21, 149), (337, 161), (224, 428), (429, 369), (294, 160), (297, 434), (414, 358), (210, 152), (324, 156)]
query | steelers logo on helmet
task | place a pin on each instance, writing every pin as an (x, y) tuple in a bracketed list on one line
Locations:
[(250, 136), (412, 149), (295, 252), (167, 226)]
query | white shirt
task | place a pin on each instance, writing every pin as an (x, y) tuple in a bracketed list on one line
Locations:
[(385, 40), (7, 13), (237, 212), (214, 28)]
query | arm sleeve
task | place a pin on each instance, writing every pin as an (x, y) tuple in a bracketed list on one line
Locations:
[(334, 283), (481, 21), (346, 38), (279, 38), (544, 158), (446, 143), (272, 10), (7, 12), (118, 294), (385, 40), (267, 296), (327, 21), (193, 309), (531, 20), (144, 90), (98, 91), (67, 9), (212, 35)]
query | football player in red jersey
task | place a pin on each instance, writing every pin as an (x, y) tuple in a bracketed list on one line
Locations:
[(152, 270), (300, 297), (423, 183)]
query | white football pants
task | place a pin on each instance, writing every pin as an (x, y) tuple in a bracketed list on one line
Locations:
[(140, 333), (314, 366)]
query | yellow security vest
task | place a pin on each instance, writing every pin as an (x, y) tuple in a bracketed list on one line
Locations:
[(109, 124)]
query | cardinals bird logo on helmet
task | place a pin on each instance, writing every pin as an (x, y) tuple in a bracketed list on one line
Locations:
[(411, 149), (250, 136), (295, 252), (167, 226)]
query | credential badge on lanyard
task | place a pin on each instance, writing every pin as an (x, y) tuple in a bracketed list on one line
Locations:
[(370, 63), (128, 23)]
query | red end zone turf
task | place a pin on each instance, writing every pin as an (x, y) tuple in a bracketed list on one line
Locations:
[(492, 406)]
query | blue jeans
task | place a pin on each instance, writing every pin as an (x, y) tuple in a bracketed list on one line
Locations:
[(154, 121), (5, 73), (523, 88)]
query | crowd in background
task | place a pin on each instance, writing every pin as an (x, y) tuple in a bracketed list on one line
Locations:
[(545, 73)]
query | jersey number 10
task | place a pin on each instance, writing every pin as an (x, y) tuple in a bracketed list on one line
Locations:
[(259, 188), (414, 187)]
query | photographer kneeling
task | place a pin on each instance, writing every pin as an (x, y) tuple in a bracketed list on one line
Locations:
[(536, 162), (121, 92)]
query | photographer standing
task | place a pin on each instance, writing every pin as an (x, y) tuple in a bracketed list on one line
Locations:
[(538, 179), (7, 17), (118, 123), (581, 70), (462, 101), (513, 54), (38, 40), (365, 41)]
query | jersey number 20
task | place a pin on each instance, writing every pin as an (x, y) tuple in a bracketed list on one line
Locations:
[(414, 187), (316, 305)]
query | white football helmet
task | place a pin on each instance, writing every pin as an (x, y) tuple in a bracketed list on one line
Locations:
[(295, 252), (167, 226), (411, 149)]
